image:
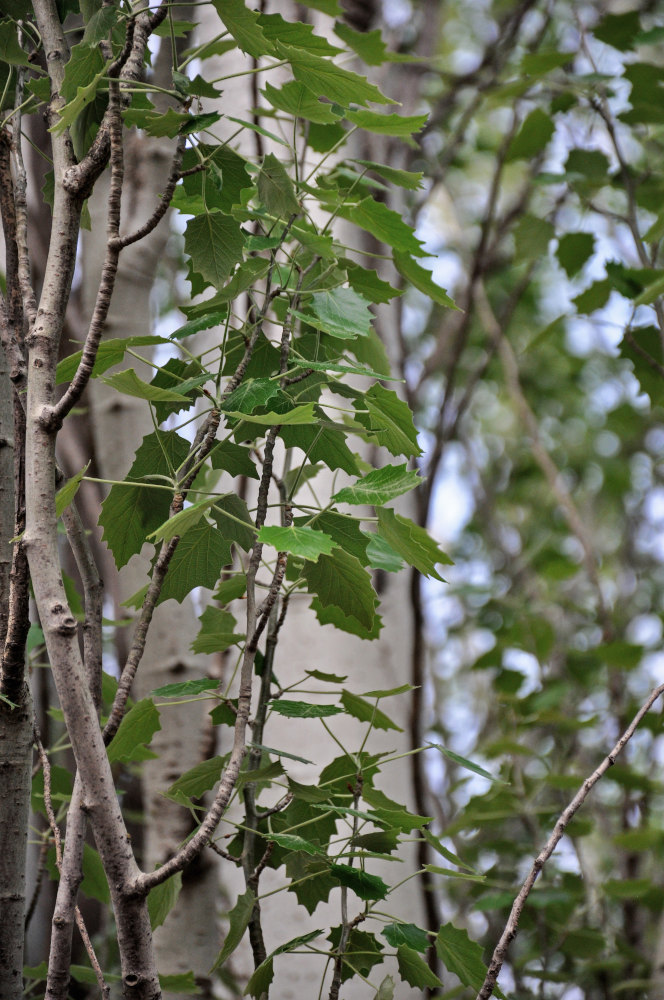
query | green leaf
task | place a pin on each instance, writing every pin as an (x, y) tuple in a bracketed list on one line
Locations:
[(339, 580), (321, 675), (381, 555), (134, 733), (259, 982), (84, 75), (543, 61), (370, 287), (299, 415), (325, 78), (650, 293), (239, 918), (196, 562), (379, 486), (363, 884), (464, 762), (385, 224), (331, 366), (303, 709), (369, 45), (131, 511), (234, 521), (95, 883), (179, 982), (414, 970), (266, 774), (386, 989), (412, 542), (10, 50), (109, 353), (397, 125), (181, 522), (297, 100), (421, 279), (648, 350), (128, 383), (341, 312), (462, 957), (280, 753), (233, 459), (452, 873), (365, 711), (66, 493), (163, 898), (243, 25), (275, 189), (347, 623), (363, 951), (388, 692), (250, 395), (231, 588), (330, 7), (444, 852), (390, 419), (322, 444), (264, 974), (186, 689), (591, 165), (196, 781), (297, 34), (531, 237), (345, 531), (574, 249), (533, 136), (411, 180), (619, 30), (217, 632), (594, 297), (305, 542), (291, 842), (409, 934), (215, 244), (224, 181)]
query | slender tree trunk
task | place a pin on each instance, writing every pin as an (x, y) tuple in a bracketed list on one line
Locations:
[(15, 783), (15, 735)]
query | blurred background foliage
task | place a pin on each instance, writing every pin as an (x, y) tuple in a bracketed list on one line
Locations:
[(539, 405)]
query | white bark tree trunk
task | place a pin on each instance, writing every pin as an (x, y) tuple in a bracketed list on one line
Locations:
[(189, 938)]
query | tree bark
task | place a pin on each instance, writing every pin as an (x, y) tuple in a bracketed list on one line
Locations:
[(15, 784)]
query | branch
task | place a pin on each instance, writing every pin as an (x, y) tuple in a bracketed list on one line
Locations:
[(164, 204), (148, 880), (511, 926), (110, 267), (20, 201), (80, 178), (78, 836)]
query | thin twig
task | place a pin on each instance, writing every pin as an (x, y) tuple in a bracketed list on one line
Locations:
[(511, 926), (20, 201), (202, 447), (164, 204)]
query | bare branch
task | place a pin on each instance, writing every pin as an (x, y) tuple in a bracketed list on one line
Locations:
[(511, 926), (164, 204)]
